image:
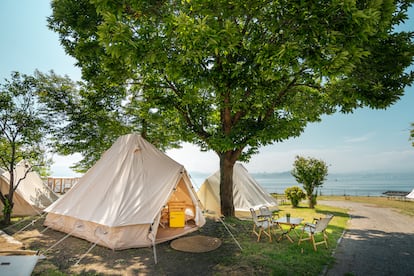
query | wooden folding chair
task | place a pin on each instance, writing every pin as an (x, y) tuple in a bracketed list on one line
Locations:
[(260, 226), (309, 230)]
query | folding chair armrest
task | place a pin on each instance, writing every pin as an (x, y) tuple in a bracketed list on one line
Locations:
[(310, 225), (264, 217), (315, 220)]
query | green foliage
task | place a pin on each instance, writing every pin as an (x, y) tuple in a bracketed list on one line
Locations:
[(238, 78), (311, 173), (412, 134), (23, 124), (233, 76), (23, 130), (7, 208), (295, 195), (86, 122)]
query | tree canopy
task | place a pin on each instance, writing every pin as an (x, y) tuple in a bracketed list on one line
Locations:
[(84, 121), (23, 131), (232, 76)]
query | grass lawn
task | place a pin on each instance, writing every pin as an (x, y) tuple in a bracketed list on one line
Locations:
[(285, 258), (255, 258), (401, 205)]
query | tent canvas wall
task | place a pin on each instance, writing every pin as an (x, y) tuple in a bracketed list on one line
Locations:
[(31, 196), (119, 203), (247, 193), (410, 195)]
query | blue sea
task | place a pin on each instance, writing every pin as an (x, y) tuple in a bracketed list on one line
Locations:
[(354, 184)]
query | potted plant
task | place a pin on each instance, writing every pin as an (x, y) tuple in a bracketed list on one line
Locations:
[(288, 217)]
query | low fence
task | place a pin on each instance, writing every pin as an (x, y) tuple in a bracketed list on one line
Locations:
[(61, 185)]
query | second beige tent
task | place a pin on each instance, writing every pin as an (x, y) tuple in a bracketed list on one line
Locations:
[(32, 194), (247, 193)]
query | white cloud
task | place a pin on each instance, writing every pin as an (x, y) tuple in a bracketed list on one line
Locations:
[(359, 139)]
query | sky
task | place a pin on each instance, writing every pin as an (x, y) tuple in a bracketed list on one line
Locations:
[(364, 141)]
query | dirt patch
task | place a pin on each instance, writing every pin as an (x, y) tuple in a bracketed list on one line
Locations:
[(76, 256)]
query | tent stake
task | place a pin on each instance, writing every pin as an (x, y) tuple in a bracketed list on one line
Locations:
[(59, 241), (30, 223), (89, 250)]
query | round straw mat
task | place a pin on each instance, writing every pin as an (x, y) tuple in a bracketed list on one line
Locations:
[(196, 244)]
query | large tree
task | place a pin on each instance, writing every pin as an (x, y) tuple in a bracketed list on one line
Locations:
[(238, 75), (23, 132)]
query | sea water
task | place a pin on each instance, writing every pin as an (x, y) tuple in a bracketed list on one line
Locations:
[(354, 184)]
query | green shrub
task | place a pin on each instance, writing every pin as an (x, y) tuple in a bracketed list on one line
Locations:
[(295, 195)]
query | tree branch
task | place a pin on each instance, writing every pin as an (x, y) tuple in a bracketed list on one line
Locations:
[(186, 112)]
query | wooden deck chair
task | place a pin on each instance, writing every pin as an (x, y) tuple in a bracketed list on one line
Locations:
[(261, 226), (309, 230), (316, 219), (266, 213)]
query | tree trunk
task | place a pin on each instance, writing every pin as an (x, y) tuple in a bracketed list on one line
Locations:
[(7, 218), (7, 209), (226, 184), (8, 204), (311, 201), (227, 161)]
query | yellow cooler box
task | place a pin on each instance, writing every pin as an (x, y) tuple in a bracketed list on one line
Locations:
[(177, 219)]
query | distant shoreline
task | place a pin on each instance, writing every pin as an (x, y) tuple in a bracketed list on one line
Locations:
[(336, 184)]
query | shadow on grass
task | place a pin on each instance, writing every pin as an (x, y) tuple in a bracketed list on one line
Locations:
[(255, 258), (61, 258), (328, 210)]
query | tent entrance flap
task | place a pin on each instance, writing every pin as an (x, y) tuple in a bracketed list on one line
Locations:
[(180, 207), (179, 215)]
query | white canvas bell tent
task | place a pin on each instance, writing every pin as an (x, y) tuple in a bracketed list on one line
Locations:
[(247, 193), (410, 195), (119, 202), (32, 194)]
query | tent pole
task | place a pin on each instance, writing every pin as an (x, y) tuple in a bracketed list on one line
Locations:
[(155, 251)]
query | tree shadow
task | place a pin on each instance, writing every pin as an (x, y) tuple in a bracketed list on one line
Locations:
[(98, 260), (374, 252), (322, 210)]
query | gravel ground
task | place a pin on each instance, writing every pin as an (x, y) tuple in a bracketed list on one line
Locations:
[(379, 241)]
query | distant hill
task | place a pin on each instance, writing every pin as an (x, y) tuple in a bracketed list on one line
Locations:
[(272, 174), (258, 175)]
